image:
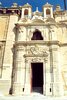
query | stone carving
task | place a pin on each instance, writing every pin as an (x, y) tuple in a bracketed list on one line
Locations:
[(51, 29), (20, 30), (26, 60), (30, 34), (19, 48), (38, 51), (36, 59)]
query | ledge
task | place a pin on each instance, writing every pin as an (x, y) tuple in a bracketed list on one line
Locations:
[(37, 42), (40, 42), (37, 55)]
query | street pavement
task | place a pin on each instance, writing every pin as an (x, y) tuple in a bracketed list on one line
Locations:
[(32, 96)]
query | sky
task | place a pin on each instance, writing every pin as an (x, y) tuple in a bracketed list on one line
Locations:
[(34, 3)]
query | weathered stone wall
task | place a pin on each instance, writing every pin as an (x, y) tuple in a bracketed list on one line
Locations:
[(64, 68), (4, 22), (7, 37)]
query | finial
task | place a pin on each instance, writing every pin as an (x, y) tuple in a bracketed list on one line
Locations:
[(37, 9), (14, 5), (47, 2), (27, 3)]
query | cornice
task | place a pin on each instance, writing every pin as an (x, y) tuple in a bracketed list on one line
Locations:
[(40, 42), (9, 14), (9, 11), (40, 55), (63, 44), (62, 24), (46, 43), (63, 21), (35, 24)]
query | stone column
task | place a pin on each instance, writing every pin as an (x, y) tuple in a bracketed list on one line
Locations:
[(19, 72), (28, 77)]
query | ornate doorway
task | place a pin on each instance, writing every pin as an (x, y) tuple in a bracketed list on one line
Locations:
[(37, 77)]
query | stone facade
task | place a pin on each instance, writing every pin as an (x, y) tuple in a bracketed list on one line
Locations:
[(33, 44)]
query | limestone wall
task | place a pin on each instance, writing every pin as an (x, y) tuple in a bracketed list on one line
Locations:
[(4, 21), (64, 68), (7, 33)]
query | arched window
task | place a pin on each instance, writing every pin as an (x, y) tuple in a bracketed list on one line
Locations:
[(48, 12), (37, 35), (26, 12)]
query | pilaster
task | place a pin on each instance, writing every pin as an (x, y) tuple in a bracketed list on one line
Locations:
[(28, 77), (54, 64), (19, 71)]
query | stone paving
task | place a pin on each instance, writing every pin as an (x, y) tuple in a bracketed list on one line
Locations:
[(33, 96)]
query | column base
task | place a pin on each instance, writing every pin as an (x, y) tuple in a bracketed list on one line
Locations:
[(27, 89), (44, 90), (56, 89), (49, 89), (17, 89)]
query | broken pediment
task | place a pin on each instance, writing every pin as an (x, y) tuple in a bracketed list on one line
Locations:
[(36, 20)]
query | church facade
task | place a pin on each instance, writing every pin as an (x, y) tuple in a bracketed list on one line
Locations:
[(33, 50)]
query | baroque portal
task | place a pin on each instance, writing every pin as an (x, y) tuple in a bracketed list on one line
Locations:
[(34, 69), (33, 50), (35, 66)]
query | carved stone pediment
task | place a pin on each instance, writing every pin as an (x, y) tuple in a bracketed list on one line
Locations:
[(37, 51), (36, 19)]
